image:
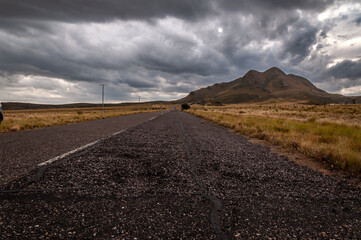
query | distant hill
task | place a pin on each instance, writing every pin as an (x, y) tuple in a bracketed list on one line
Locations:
[(268, 86)]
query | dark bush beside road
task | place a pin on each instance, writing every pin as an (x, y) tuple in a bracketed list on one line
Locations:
[(1, 113), (185, 106)]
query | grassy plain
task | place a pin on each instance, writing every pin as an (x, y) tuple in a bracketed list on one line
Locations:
[(16, 120), (329, 133)]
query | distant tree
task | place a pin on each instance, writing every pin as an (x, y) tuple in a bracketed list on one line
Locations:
[(185, 106)]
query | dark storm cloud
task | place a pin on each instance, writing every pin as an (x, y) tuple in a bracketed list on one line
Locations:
[(182, 63), (178, 89), (175, 54), (138, 83), (100, 10), (358, 21), (51, 56), (235, 5), (245, 47), (23, 27), (346, 69), (297, 45), (43, 61)]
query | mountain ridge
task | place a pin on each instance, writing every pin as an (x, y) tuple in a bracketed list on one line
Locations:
[(272, 84)]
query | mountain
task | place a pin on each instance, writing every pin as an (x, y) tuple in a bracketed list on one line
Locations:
[(268, 86)]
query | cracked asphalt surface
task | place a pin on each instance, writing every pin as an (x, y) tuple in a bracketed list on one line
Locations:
[(178, 177)]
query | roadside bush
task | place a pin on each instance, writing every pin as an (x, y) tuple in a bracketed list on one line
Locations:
[(185, 106)]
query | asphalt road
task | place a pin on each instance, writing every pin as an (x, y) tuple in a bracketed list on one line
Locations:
[(178, 177), (22, 151)]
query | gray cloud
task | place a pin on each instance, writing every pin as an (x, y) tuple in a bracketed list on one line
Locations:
[(100, 11), (234, 5), (297, 44), (346, 69), (358, 21)]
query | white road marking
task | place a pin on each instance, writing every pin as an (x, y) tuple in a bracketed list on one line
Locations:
[(66, 154), (150, 119), (82, 147), (118, 132), (73, 151)]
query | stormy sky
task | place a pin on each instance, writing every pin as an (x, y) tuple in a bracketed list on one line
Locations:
[(61, 51)]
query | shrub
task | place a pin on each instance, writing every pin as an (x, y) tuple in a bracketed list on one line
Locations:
[(185, 106)]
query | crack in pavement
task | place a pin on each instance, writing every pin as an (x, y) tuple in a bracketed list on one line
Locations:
[(217, 204)]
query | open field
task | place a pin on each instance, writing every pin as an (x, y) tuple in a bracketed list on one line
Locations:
[(330, 133), (16, 120)]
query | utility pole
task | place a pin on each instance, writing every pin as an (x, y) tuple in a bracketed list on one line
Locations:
[(139, 99), (102, 96)]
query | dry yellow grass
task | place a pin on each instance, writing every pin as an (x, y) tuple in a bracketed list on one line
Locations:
[(17, 120), (329, 133)]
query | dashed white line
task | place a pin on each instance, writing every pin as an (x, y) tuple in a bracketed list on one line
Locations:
[(66, 154), (73, 151), (118, 132), (82, 147), (150, 119)]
